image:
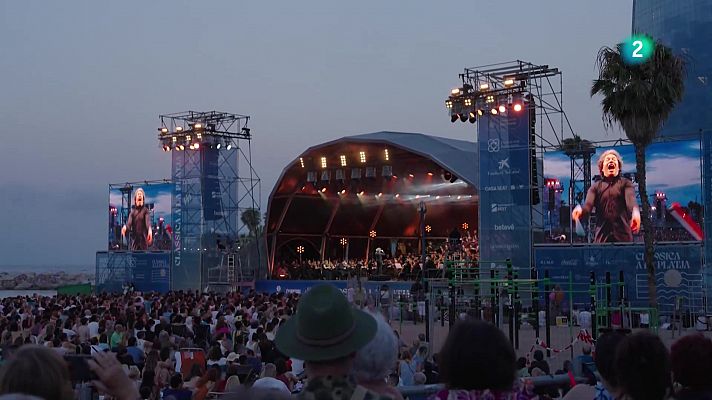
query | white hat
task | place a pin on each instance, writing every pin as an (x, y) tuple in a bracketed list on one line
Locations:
[(232, 357), (269, 383)]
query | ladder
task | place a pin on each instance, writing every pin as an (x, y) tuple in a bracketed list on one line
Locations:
[(231, 278)]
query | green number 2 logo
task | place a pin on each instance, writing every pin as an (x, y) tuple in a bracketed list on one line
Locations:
[(638, 47)]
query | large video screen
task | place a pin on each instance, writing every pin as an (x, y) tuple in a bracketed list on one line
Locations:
[(609, 210), (140, 217)]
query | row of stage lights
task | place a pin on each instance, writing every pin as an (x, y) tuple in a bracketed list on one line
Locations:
[(324, 161), (466, 104), (180, 140)]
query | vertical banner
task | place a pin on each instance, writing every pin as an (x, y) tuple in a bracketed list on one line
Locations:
[(210, 185), (505, 209), (707, 198)]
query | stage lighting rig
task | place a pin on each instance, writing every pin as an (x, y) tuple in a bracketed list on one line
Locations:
[(212, 129)]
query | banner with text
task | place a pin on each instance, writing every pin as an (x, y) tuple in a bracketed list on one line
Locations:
[(678, 271), (147, 271), (707, 198), (505, 207)]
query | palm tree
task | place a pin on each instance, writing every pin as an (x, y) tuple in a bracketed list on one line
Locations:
[(252, 220), (640, 98)]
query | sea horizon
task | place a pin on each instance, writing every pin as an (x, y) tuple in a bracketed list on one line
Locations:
[(57, 268)]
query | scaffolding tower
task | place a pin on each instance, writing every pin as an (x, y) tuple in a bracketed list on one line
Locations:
[(216, 199), (504, 84)]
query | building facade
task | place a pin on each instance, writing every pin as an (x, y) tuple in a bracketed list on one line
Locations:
[(685, 26)]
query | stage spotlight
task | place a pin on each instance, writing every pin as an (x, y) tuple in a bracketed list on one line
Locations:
[(455, 92), (179, 129), (454, 117), (448, 104), (301, 161), (493, 111), (342, 158), (342, 192), (379, 195), (229, 146), (174, 139), (517, 107), (217, 146), (386, 155), (362, 156), (198, 125), (473, 117), (489, 99), (502, 109), (411, 176), (196, 146), (323, 162), (361, 192), (181, 147), (484, 86), (163, 130), (191, 146), (372, 234), (463, 117), (323, 190), (508, 82), (397, 195), (430, 174)]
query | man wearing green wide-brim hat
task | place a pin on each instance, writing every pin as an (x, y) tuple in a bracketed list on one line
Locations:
[(326, 332)]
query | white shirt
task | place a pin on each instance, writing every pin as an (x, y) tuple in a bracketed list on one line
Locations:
[(584, 320), (93, 329)]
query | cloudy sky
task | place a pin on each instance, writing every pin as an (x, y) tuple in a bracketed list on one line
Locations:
[(83, 83)]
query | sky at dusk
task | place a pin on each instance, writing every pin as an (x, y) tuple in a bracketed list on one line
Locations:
[(83, 83)]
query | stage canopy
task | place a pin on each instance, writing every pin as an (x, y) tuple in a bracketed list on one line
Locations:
[(363, 191)]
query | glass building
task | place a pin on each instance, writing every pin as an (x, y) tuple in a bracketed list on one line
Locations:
[(685, 26)]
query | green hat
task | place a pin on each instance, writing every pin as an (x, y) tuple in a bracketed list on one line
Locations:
[(325, 327)]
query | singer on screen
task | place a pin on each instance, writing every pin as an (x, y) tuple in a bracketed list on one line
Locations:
[(139, 223), (613, 198)]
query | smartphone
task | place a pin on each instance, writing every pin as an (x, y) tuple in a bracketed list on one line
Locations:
[(79, 369)]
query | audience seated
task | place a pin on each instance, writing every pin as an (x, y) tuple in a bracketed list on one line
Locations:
[(691, 360), (477, 362)]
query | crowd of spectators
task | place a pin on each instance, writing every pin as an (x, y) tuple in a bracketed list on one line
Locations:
[(188, 345)]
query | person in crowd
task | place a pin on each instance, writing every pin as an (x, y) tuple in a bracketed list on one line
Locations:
[(540, 363), (375, 361), (232, 384), (406, 369), (196, 371), (473, 371), (135, 352), (205, 384), (176, 389), (584, 365), (284, 373), (642, 364), (608, 386), (326, 332), (691, 361), (20, 374), (431, 371), (215, 357), (272, 386), (522, 370), (118, 338)]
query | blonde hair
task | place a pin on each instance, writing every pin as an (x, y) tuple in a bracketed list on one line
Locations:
[(232, 383), (615, 153)]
